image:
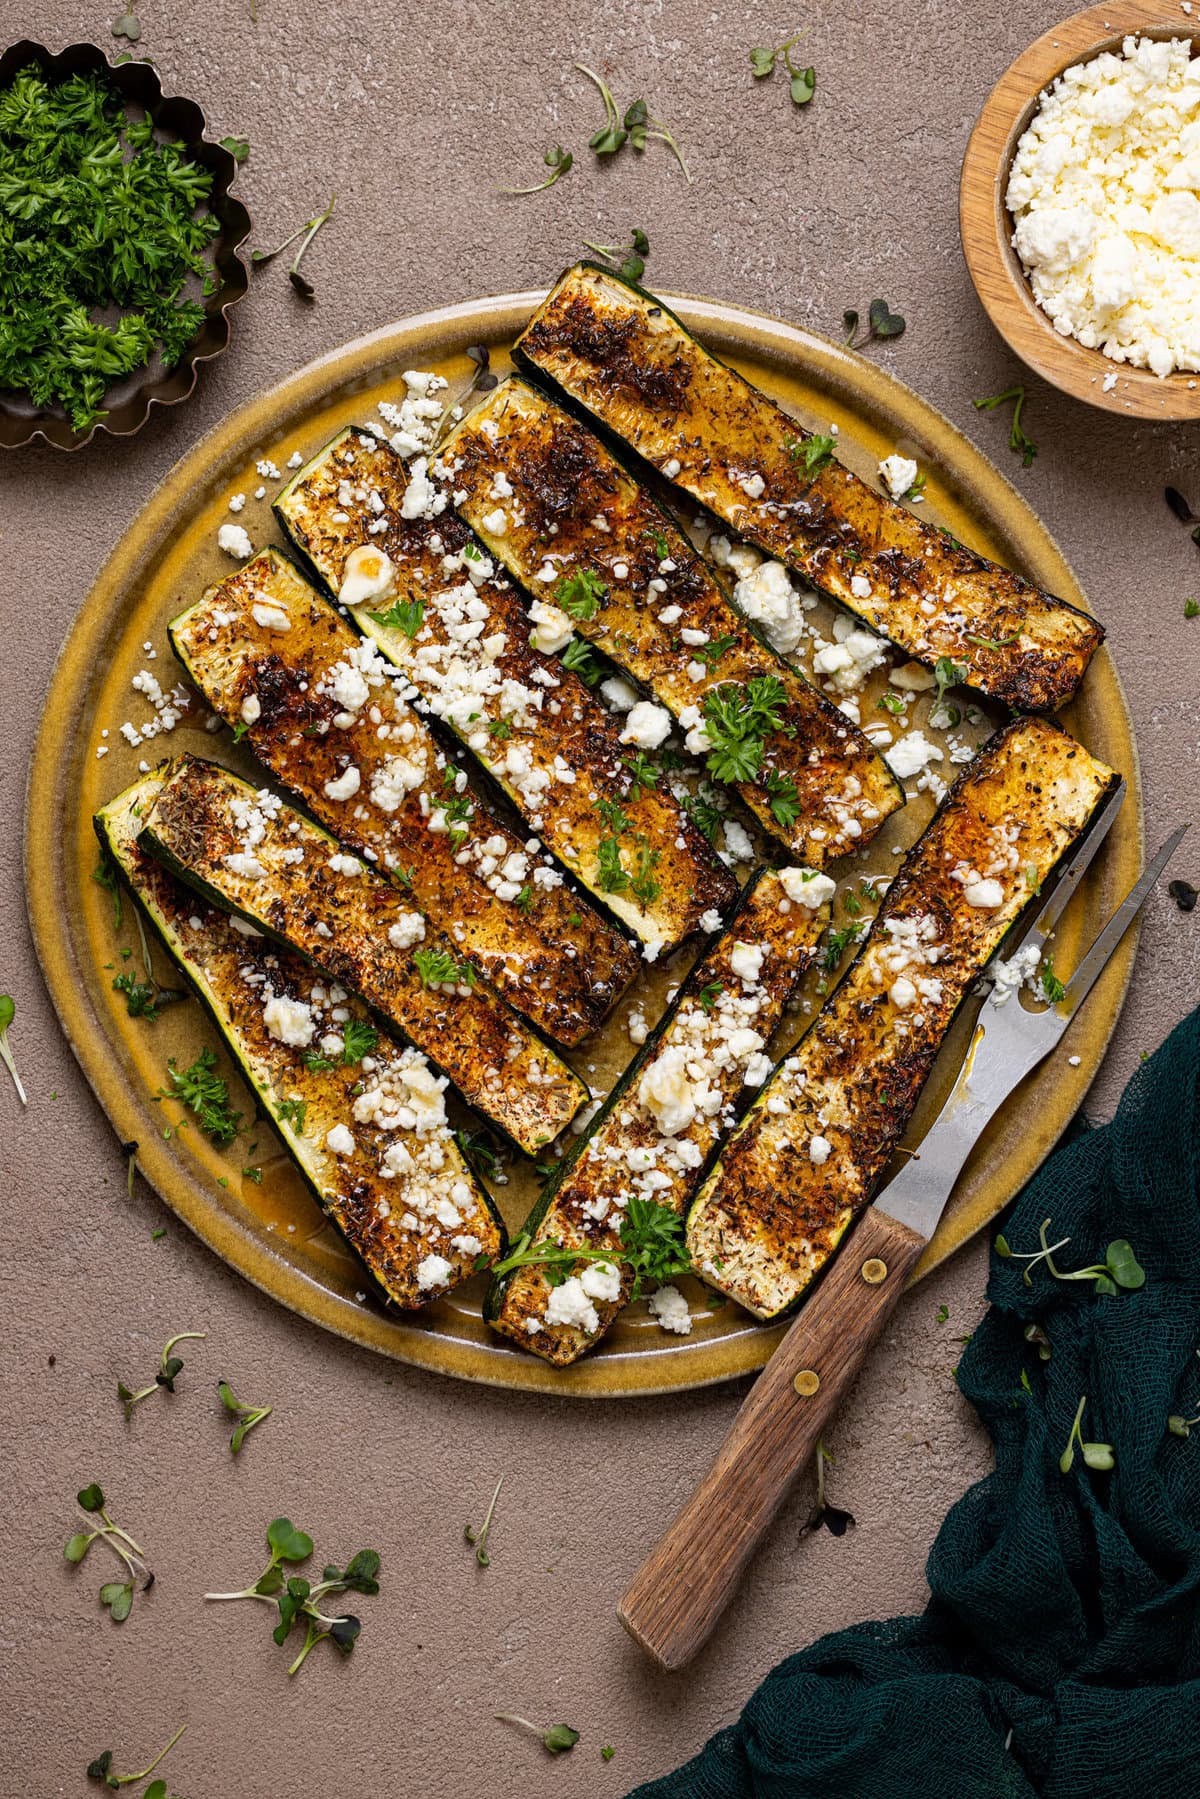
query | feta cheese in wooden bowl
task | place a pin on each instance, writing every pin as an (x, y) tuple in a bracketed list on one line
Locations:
[(1080, 208)]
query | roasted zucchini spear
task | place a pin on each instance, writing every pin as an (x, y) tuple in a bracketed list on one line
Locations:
[(626, 357), (247, 851), (586, 540), (396, 1185), (328, 717), (442, 614), (812, 1149), (661, 1121)]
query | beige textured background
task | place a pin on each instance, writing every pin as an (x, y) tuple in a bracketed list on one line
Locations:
[(413, 117)]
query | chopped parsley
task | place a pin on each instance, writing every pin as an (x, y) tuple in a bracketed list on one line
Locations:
[(738, 719), (439, 968), (98, 216), (579, 595), (206, 1094), (812, 453), (406, 615)]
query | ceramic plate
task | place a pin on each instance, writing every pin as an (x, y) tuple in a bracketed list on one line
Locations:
[(269, 1228)]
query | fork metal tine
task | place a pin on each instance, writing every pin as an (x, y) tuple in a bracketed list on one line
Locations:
[(1092, 964), (1055, 902)]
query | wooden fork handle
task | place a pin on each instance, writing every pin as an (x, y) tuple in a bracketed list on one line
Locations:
[(681, 1589)]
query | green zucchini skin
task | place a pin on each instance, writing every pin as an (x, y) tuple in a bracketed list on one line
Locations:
[(627, 1149), (526, 716), (245, 851), (558, 962), (577, 510), (228, 973), (774, 1207), (629, 361)]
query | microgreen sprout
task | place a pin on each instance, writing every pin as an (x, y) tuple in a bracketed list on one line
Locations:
[(835, 1521), (630, 259), (555, 1741), (101, 1769), (245, 1416), (8, 1012), (882, 323), (307, 232), (637, 127), (478, 1538), (558, 161), (298, 1601), (1120, 1267), (116, 1595), (1021, 444), (1101, 1456), (1034, 1334), (169, 1367), (802, 83)]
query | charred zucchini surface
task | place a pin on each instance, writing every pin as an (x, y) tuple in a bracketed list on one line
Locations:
[(625, 356), (590, 544), (247, 851), (397, 1186), (661, 1122), (330, 718), (811, 1150), (462, 638)]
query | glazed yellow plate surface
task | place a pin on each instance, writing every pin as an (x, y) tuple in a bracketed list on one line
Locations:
[(266, 1225)]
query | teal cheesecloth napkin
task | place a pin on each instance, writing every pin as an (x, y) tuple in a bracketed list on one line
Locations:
[(1059, 1654)]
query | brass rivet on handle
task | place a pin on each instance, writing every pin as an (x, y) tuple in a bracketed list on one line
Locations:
[(807, 1382), (873, 1271)]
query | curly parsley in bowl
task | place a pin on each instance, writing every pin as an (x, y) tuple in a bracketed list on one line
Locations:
[(102, 226)]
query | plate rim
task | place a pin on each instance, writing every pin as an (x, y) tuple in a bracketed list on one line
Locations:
[(677, 1366)]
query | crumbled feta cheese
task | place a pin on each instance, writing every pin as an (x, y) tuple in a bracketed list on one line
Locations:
[(647, 725), (433, 1271), (234, 540), (671, 1309), (569, 1305), (667, 1093), (552, 631), (986, 895), (270, 617), (250, 709), (746, 960), (340, 1141), (408, 929), (601, 1280), (804, 887), (897, 474), (345, 785), (818, 1150), (767, 596), (711, 920), (289, 1021), (618, 693), (1102, 190), (910, 754)]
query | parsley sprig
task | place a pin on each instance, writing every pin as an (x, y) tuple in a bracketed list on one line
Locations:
[(651, 1247), (1019, 442), (738, 719), (95, 214)]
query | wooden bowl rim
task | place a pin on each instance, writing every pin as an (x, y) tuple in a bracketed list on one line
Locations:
[(985, 227)]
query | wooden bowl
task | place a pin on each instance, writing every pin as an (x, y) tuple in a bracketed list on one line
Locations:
[(986, 225)]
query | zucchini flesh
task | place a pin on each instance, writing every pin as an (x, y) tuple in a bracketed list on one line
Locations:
[(549, 953), (537, 729), (702, 1059), (625, 356), (248, 852), (811, 1150), (405, 1198), (575, 510)]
